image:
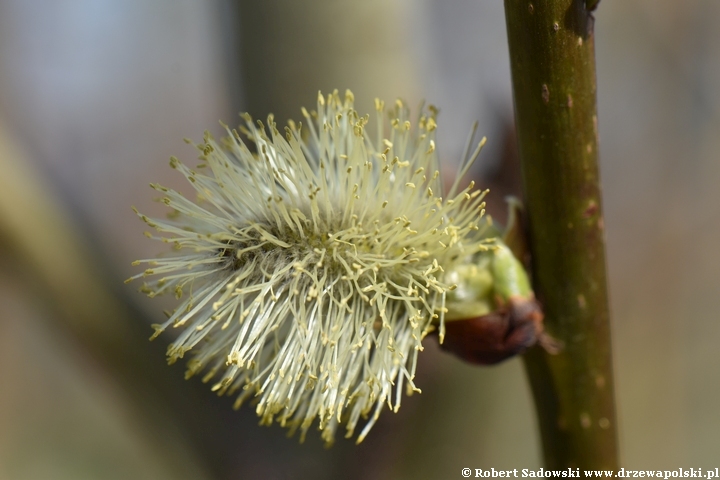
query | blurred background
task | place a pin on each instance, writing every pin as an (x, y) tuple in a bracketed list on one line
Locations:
[(96, 95)]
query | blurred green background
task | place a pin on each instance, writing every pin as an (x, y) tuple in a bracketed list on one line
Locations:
[(96, 95)]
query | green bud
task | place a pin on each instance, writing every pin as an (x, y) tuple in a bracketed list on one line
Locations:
[(485, 282), (510, 277), (473, 295)]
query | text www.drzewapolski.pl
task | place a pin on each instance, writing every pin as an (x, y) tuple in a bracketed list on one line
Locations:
[(577, 473)]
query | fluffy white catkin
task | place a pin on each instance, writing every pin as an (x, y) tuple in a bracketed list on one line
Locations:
[(312, 263)]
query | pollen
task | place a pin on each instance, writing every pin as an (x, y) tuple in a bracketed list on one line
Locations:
[(306, 289)]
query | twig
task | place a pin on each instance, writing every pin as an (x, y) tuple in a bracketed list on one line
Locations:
[(553, 69)]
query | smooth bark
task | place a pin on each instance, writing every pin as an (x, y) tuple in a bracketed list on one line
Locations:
[(553, 70)]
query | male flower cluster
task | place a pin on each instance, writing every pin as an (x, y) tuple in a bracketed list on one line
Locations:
[(313, 262)]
